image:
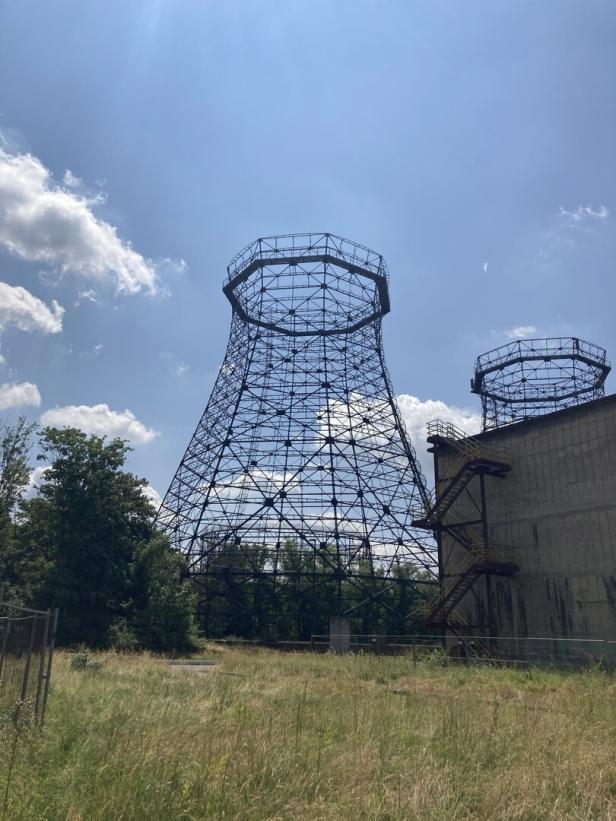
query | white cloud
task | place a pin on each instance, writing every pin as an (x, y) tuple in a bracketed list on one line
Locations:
[(43, 221), (364, 420), (101, 421), (19, 394), (28, 313), (583, 215), (367, 421), (152, 495), (417, 413), (521, 332), (70, 180), (34, 480), (485, 267), (87, 296), (171, 266), (175, 365), (256, 483), (96, 350)]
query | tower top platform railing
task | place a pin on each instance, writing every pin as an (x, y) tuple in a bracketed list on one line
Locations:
[(530, 377), (308, 284), (552, 347)]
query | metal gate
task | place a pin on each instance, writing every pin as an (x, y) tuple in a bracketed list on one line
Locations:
[(26, 649)]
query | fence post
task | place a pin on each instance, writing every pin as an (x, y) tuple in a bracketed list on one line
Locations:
[(4, 631), (26, 678), (52, 641), (41, 671), (7, 628)]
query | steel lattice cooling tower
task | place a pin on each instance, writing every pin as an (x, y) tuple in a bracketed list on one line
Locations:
[(301, 441)]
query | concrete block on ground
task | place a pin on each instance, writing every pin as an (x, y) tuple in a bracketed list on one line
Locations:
[(340, 634)]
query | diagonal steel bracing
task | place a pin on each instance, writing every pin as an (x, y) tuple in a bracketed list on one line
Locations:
[(301, 441)]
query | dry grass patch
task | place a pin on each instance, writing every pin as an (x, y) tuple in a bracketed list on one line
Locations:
[(273, 736)]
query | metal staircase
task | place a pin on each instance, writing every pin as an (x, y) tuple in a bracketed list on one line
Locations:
[(444, 500), (456, 585), (475, 557)]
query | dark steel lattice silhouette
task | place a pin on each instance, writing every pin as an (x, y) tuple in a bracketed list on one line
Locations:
[(531, 377), (301, 439)]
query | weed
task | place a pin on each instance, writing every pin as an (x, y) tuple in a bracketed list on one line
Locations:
[(82, 660), (300, 736)]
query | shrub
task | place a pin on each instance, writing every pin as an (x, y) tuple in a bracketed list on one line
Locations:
[(82, 661), (121, 638)]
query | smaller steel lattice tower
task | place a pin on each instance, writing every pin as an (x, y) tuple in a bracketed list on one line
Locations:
[(301, 444), (531, 377)]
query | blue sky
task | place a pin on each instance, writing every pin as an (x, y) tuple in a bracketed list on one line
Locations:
[(472, 144)]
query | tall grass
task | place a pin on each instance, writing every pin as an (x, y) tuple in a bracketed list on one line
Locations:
[(272, 736)]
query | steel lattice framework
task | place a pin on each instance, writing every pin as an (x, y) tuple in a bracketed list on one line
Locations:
[(531, 377), (301, 439)]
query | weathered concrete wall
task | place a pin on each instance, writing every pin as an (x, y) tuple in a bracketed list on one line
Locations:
[(556, 513)]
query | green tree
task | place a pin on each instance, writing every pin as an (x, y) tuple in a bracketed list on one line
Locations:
[(16, 570), (163, 607), (91, 527)]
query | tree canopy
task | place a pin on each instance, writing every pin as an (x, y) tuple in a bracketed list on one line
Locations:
[(86, 544)]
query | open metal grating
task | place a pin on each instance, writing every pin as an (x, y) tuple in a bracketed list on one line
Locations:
[(301, 443), (531, 377)]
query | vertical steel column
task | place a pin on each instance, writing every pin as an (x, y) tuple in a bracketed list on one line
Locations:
[(439, 539), (484, 528)]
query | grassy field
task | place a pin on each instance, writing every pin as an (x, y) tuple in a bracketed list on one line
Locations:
[(268, 735)]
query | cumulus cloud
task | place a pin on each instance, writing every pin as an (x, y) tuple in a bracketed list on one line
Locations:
[(34, 480), (583, 215), (54, 223), (70, 180), (101, 421), (28, 313), (367, 421), (152, 495), (521, 332), (19, 394), (255, 484), (417, 413)]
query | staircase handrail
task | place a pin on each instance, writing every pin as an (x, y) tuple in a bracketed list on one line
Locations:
[(454, 579), (490, 645), (466, 443)]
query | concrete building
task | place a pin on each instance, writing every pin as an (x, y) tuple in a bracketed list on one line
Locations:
[(525, 516)]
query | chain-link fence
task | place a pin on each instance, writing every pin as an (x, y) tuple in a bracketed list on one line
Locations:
[(26, 649)]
